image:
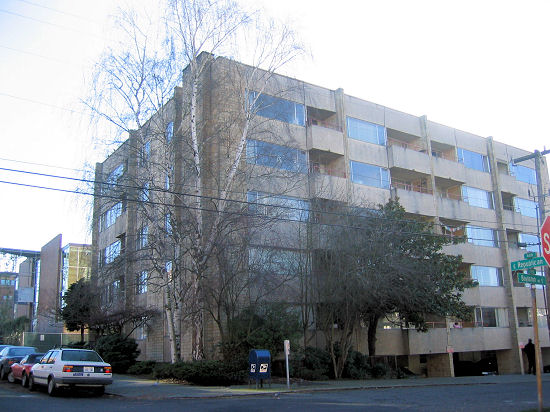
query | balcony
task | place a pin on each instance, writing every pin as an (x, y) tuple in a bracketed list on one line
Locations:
[(407, 157), (328, 186), (327, 139), (415, 198)]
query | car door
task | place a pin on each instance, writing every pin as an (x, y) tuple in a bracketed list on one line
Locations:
[(42, 369)]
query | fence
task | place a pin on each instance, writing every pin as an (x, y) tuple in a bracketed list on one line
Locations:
[(45, 341)]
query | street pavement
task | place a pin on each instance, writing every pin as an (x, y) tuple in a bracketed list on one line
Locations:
[(142, 388)]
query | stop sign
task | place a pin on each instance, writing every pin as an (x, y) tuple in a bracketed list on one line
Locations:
[(545, 239)]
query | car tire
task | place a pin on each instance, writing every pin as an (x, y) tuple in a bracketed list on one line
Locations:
[(2, 374), (11, 378), (52, 387), (24, 380), (99, 391), (32, 385)]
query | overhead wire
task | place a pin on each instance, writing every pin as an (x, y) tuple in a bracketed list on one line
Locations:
[(212, 198)]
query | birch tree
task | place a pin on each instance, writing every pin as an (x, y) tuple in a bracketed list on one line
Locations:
[(135, 90)]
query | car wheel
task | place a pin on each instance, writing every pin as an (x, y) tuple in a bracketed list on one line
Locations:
[(99, 391), (32, 385), (24, 380), (11, 378), (2, 374), (52, 387)]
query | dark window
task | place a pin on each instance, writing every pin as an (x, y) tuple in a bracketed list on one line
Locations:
[(277, 108)]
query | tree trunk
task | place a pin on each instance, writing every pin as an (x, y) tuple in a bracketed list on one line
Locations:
[(371, 334)]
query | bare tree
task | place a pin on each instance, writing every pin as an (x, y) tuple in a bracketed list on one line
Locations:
[(176, 139)]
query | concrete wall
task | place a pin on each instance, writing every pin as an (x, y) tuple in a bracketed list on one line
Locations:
[(50, 273)]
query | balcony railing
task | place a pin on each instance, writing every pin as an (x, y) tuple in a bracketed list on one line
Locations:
[(323, 123), (452, 196), (410, 187), (421, 149), (319, 168)]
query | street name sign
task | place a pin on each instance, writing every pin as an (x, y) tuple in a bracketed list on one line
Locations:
[(528, 263), (529, 255), (534, 280), (531, 271)]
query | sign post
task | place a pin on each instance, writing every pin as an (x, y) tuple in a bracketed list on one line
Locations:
[(529, 263), (287, 352)]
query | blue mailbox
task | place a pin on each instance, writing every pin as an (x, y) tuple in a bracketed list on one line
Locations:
[(259, 362)]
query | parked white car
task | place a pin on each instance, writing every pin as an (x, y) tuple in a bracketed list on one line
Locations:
[(70, 368)]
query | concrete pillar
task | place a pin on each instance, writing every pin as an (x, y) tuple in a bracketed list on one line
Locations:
[(508, 361), (440, 365)]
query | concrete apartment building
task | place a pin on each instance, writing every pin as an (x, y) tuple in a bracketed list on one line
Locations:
[(354, 151)]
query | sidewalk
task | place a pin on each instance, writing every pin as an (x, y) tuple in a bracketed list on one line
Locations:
[(140, 388)]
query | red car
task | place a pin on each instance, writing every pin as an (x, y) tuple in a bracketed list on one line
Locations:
[(20, 370)]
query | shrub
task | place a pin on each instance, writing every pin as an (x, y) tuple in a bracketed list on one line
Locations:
[(379, 370), (142, 368), (120, 352), (313, 364), (206, 372), (357, 366), (263, 326)]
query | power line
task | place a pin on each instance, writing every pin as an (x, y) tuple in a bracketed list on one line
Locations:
[(56, 10), (166, 191), (51, 24), (44, 104), (42, 164), (238, 213), (41, 56)]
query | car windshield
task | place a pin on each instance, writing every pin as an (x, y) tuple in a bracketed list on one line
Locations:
[(80, 355), (20, 351), (34, 358)]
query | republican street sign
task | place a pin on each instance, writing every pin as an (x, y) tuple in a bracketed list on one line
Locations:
[(545, 239), (534, 280), (528, 263)]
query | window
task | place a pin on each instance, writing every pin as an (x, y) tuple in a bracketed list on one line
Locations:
[(481, 236), (473, 160), (277, 108), (526, 207), (477, 197), (141, 284), (531, 242), (115, 175), (487, 275), (143, 236), (365, 131), (112, 252), (108, 218), (524, 174), (144, 193), (370, 175), (145, 153), (283, 207), (274, 155), (169, 132), (267, 261), (491, 317), (168, 223)]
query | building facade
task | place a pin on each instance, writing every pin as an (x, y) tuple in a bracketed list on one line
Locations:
[(59, 267), (309, 144)]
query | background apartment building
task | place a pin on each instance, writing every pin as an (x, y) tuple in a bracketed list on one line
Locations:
[(313, 145)]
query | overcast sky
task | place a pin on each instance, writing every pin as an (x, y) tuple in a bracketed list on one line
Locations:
[(479, 66)]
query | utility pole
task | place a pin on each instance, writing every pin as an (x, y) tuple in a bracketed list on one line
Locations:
[(537, 155)]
